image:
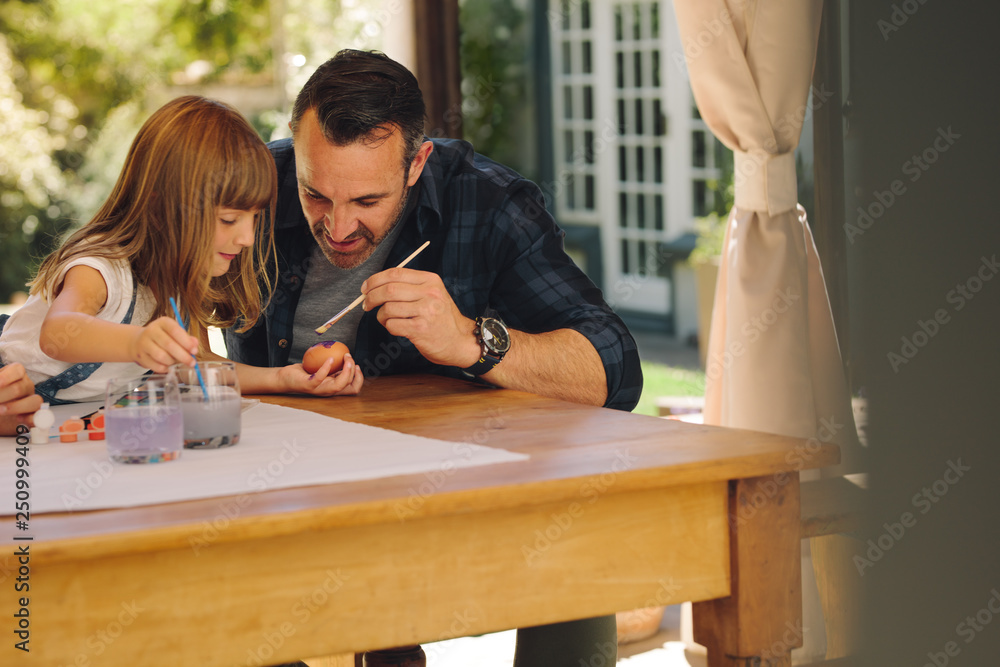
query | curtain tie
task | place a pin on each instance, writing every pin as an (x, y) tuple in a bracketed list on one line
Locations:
[(764, 181)]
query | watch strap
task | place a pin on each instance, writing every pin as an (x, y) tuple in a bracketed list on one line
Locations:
[(487, 360)]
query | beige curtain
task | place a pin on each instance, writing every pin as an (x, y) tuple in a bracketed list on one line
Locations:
[(773, 361)]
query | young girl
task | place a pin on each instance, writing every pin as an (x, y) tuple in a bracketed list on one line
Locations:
[(189, 217)]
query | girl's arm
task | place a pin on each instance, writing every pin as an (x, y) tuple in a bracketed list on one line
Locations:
[(293, 379), (71, 332)]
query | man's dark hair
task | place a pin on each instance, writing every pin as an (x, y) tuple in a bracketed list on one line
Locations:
[(360, 95)]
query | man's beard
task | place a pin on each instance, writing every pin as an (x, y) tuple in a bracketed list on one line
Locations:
[(355, 259)]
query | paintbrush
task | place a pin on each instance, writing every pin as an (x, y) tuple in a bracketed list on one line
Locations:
[(333, 320), (197, 370)]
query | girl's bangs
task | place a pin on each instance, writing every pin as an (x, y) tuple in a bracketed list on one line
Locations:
[(251, 183)]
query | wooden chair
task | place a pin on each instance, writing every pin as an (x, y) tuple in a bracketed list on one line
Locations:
[(831, 511)]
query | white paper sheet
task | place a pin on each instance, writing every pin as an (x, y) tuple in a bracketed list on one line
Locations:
[(279, 448)]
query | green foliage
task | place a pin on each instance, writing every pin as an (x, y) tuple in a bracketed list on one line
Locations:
[(233, 36), (723, 188), (32, 185), (67, 68), (711, 229), (496, 95), (78, 77), (662, 380)]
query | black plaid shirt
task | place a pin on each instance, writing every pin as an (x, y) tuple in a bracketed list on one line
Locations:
[(494, 245)]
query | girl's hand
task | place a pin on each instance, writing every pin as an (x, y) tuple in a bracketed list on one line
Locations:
[(294, 380), (162, 343), (18, 400)]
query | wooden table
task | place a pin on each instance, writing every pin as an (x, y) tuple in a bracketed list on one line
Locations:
[(612, 511)]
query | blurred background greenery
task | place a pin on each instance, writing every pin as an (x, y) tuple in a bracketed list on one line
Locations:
[(78, 78)]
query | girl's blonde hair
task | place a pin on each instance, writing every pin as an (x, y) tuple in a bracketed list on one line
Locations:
[(191, 156)]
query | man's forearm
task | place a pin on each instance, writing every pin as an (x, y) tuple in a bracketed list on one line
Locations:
[(560, 364)]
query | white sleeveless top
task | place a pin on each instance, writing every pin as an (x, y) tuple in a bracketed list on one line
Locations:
[(19, 341)]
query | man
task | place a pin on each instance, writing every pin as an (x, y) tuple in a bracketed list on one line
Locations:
[(493, 296)]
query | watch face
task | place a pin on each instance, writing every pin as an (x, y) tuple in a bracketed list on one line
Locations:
[(495, 336)]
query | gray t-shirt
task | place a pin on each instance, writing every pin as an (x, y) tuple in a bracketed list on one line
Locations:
[(328, 290)]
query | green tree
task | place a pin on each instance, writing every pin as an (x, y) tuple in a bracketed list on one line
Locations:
[(496, 94), (711, 229), (78, 77), (68, 66), (32, 184)]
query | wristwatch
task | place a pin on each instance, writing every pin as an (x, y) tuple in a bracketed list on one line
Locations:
[(494, 341)]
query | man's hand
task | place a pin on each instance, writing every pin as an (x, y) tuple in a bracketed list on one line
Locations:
[(416, 305), (18, 400)]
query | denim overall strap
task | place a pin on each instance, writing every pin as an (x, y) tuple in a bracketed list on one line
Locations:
[(3, 320), (76, 373)]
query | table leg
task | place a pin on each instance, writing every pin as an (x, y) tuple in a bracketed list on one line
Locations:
[(761, 620), (404, 656)]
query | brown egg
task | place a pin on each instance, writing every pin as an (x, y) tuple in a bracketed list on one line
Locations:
[(320, 352)]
